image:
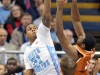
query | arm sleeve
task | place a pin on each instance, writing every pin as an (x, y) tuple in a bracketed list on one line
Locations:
[(43, 34), (27, 65)]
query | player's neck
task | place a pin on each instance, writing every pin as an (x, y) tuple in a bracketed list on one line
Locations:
[(31, 41)]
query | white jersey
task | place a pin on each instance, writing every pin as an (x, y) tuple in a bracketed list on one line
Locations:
[(41, 55)]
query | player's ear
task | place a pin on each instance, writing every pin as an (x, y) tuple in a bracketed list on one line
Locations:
[(83, 46)]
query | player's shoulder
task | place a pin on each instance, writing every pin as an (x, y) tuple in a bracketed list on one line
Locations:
[(27, 48), (43, 26)]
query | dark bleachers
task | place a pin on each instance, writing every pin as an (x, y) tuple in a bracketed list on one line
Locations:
[(82, 11), (88, 26), (81, 0), (80, 5)]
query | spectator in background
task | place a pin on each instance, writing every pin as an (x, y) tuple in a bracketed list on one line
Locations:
[(34, 10), (69, 34), (38, 3), (13, 21), (2, 69), (12, 67), (94, 66), (18, 37), (6, 46), (91, 65), (37, 21), (25, 4), (5, 10)]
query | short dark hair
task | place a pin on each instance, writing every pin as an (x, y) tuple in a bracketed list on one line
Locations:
[(11, 59), (25, 14), (11, 1), (89, 42), (68, 65), (25, 29)]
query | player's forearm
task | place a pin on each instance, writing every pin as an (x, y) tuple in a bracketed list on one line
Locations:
[(46, 13), (29, 72), (75, 12), (59, 22), (76, 19)]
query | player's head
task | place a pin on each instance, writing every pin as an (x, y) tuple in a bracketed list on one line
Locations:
[(6, 3), (91, 64), (69, 34), (30, 31), (87, 43), (68, 65), (11, 65), (26, 19)]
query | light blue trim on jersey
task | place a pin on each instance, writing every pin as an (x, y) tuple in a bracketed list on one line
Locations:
[(54, 58)]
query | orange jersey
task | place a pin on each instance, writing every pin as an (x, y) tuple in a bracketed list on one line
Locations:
[(83, 60)]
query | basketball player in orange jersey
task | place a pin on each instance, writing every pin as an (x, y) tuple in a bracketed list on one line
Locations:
[(83, 50)]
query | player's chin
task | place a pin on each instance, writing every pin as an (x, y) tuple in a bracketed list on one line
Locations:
[(34, 34)]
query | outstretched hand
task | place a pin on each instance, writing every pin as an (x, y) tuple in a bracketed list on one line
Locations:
[(61, 3)]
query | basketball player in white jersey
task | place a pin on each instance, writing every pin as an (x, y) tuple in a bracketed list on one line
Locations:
[(40, 55)]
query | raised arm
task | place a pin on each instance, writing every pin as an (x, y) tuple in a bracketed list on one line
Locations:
[(65, 43), (46, 13), (59, 21), (76, 19)]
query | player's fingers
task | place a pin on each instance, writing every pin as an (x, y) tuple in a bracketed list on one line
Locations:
[(66, 1)]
